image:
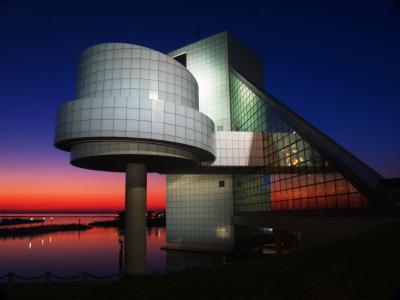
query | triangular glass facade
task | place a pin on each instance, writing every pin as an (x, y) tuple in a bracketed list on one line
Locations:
[(296, 176)]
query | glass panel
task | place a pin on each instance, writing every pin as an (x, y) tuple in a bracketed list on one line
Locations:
[(296, 176)]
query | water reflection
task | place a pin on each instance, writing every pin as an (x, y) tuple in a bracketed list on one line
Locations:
[(64, 253), (99, 251), (155, 259)]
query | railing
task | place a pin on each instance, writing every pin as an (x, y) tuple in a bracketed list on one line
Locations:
[(86, 276)]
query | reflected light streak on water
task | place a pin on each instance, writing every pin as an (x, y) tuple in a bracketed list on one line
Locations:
[(68, 253)]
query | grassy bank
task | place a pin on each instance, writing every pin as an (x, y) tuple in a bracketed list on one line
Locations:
[(367, 267)]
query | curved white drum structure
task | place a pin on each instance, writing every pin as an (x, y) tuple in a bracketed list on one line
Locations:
[(136, 110), (134, 105)]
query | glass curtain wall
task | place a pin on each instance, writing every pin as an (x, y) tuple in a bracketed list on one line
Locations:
[(296, 176)]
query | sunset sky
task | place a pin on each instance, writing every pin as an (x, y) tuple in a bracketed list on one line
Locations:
[(334, 62), (55, 185)]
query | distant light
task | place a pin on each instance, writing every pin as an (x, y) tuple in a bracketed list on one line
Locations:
[(51, 218), (42, 242), (30, 245), (44, 218), (31, 219)]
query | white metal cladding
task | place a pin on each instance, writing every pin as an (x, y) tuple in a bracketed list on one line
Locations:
[(130, 92), (84, 150), (116, 69), (129, 117), (207, 60), (238, 149), (199, 210)]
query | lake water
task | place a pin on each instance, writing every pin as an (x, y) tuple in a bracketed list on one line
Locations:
[(97, 251)]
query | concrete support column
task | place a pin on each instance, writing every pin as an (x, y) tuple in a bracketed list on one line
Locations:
[(135, 219)]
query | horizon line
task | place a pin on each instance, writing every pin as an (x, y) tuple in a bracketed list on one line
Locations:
[(98, 211)]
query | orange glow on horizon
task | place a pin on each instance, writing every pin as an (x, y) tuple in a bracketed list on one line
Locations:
[(68, 188)]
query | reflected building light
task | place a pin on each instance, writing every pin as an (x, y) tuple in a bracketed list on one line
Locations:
[(153, 95), (42, 242), (30, 245), (50, 239), (31, 219), (222, 232)]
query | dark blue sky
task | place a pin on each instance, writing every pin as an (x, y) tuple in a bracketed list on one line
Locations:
[(336, 63)]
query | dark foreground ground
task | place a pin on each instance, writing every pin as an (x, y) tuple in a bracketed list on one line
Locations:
[(367, 267)]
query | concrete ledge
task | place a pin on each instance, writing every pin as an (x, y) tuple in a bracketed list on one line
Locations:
[(199, 248), (318, 230)]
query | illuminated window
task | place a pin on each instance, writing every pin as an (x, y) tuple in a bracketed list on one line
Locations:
[(298, 175)]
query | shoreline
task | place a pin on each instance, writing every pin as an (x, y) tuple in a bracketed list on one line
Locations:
[(365, 267), (18, 221), (39, 230), (120, 223)]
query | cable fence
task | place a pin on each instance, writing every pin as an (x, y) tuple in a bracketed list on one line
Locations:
[(86, 276), (49, 277)]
